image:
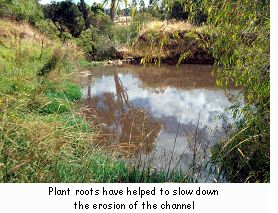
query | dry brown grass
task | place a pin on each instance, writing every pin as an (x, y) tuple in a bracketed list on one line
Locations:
[(170, 26), (24, 30), (173, 42)]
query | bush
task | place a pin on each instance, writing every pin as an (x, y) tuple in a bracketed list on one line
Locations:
[(20, 10), (124, 34), (102, 23), (96, 46), (48, 28), (87, 41)]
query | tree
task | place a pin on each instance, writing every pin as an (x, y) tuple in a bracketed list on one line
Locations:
[(178, 12), (113, 7), (97, 8), (112, 10), (67, 15), (142, 5), (85, 13), (239, 40)]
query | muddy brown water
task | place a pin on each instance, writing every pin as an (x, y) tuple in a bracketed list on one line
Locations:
[(160, 117)]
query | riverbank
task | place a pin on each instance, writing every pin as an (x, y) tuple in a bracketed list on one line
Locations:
[(170, 42), (43, 136)]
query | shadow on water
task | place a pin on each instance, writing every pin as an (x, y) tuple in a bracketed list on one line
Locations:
[(158, 117)]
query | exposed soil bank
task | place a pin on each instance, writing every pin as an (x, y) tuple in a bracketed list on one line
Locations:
[(171, 43)]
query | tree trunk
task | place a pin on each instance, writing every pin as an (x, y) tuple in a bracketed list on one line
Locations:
[(85, 14), (112, 10)]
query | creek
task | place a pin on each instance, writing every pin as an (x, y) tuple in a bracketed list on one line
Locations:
[(159, 117)]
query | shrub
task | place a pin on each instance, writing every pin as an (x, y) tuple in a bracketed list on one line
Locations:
[(96, 46), (20, 10), (48, 28), (102, 23), (124, 34), (87, 41)]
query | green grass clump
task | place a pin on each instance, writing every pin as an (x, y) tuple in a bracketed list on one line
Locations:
[(61, 101), (55, 105), (72, 92)]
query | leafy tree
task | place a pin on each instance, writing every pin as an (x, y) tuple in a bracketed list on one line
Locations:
[(178, 12), (97, 8), (239, 40), (180, 9), (142, 5), (67, 14), (83, 8)]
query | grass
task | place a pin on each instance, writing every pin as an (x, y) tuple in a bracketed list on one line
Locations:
[(43, 137), (171, 26), (244, 155)]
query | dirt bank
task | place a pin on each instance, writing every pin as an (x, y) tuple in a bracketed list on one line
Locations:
[(171, 43)]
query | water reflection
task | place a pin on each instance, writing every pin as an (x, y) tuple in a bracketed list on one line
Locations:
[(140, 110), (126, 128)]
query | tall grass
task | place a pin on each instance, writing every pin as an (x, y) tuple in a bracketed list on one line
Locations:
[(31, 135), (43, 137)]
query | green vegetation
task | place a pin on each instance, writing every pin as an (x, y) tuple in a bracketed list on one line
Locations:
[(239, 40), (67, 17), (43, 138), (20, 10), (36, 104)]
